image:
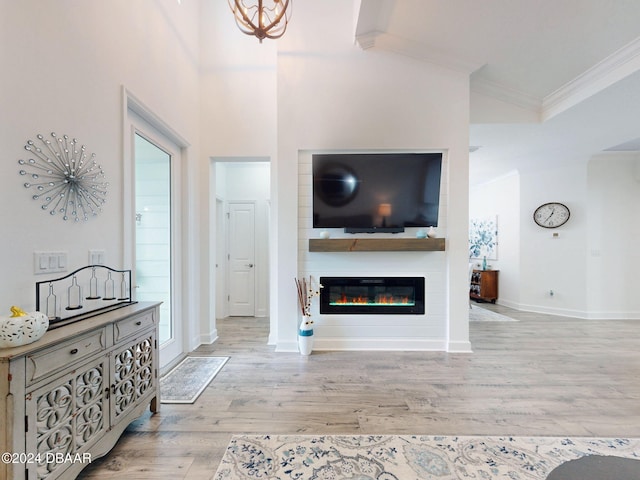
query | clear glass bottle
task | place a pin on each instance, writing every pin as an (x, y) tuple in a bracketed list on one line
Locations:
[(124, 293), (93, 286), (109, 288), (74, 295), (52, 304)]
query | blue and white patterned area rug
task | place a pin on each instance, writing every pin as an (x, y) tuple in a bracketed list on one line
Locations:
[(408, 457), (187, 380)]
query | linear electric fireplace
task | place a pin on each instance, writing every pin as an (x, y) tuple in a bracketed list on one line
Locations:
[(372, 295)]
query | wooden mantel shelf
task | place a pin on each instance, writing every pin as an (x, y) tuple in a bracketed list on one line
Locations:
[(376, 244)]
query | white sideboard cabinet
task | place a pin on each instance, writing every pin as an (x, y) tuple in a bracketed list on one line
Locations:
[(66, 399)]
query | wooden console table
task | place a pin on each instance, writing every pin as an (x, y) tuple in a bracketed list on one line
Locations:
[(484, 285), (66, 399)]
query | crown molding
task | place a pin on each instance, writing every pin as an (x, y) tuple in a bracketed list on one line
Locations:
[(612, 69), (367, 40), (392, 43), (505, 94)]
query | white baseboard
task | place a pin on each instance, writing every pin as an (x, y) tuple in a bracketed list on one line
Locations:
[(566, 312), (208, 339), (393, 344), (459, 347)]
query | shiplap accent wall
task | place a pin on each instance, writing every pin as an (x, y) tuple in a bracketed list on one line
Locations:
[(383, 332)]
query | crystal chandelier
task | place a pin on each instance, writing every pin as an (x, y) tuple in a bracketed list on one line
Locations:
[(262, 18)]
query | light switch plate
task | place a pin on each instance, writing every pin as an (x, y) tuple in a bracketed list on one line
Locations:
[(49, 262), (97, 257)]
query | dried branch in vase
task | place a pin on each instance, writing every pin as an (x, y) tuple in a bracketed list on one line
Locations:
[(307, 289)]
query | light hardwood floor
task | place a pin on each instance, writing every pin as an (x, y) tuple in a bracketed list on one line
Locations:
[(541, 376)]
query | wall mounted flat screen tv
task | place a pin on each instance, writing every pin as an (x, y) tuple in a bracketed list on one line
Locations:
[(376, 192)]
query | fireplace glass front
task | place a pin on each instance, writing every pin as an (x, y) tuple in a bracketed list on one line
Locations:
[(372, 295)]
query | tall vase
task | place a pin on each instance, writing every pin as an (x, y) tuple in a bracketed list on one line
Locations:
[(305, 336)]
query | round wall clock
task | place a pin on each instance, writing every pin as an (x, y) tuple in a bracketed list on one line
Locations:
[(551, 215), (63, 178)]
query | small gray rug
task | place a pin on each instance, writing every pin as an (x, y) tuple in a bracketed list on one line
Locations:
[(479, 314), (187, 380)]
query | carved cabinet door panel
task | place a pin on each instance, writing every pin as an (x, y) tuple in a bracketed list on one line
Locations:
[(133, 375), (68, 415)]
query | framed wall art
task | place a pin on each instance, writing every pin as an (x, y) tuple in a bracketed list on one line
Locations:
[(483, 238)]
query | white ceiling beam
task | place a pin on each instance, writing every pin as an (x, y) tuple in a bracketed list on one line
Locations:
[(402, 46), (372, 16), (372, 19)]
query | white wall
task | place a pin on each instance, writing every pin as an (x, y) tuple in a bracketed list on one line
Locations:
[(238, 82), (612, 236), (65, 63), (551, 262)]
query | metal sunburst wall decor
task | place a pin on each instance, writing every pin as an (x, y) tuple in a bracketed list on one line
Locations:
[(64, 179)]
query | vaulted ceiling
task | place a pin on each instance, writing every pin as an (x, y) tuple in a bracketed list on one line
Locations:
[(552, 81)]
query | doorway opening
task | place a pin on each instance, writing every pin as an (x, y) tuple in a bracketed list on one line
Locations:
[(242, 208)]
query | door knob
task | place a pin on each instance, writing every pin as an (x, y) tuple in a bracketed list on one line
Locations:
[(250, 265)]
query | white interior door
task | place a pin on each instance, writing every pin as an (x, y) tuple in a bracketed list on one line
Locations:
[(242, 271)]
